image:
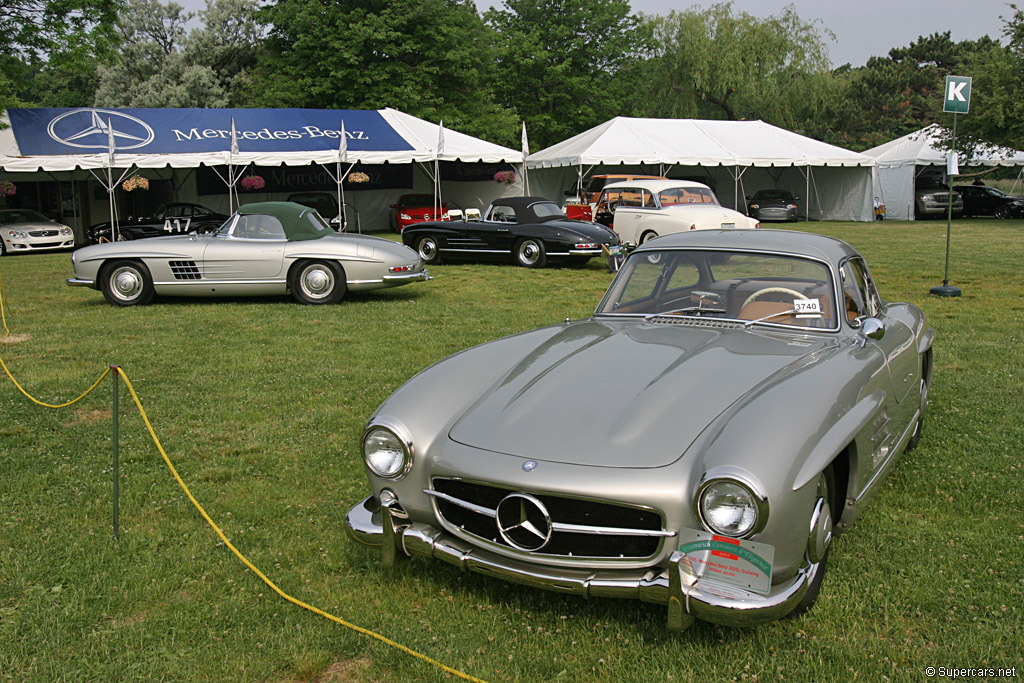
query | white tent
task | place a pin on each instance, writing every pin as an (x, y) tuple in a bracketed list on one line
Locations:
[(64, 144), (899, 162), (735, 157)]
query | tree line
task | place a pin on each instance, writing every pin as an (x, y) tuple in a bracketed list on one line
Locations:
[(560, 66)]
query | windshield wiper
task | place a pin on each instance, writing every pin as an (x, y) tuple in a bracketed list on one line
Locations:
[(748, 323), (692, 310)]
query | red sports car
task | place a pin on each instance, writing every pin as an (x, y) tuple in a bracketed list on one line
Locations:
[(416, 208)]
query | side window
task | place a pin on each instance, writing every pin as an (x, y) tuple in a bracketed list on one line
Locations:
[(259, 227), (503, 214), (685, 274), (858, 292)]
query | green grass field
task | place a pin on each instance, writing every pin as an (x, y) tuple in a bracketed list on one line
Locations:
[(260, 404)]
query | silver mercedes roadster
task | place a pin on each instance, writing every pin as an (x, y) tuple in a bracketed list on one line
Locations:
[(756, 390), (267, 248)]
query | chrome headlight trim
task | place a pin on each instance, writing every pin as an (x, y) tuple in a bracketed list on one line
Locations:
[(386, 429), (732, 481)]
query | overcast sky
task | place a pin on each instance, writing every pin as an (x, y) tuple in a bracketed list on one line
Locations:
[(865, 28)]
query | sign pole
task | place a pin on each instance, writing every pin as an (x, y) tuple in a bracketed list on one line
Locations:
[(957, 100)]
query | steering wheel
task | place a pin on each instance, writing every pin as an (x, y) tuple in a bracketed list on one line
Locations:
[(771, 290)]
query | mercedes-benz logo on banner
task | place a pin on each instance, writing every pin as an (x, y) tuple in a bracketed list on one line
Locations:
[(524, 522), (90, 129)]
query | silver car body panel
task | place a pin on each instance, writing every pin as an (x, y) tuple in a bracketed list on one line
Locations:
[(632, 413), (218, 265)]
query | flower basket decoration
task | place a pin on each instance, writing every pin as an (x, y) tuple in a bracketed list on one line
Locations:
[(7, 188), (136, 182), (505, 176), (253, 183), (359, 177)]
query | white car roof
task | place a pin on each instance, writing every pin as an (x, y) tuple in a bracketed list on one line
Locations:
[(656, 186)]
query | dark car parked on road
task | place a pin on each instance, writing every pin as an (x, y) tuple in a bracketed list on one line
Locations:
[(982, 200)]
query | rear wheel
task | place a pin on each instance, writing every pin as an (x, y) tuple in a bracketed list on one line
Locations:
[(648, 236), (126, 283), (915, 438), (317, 282), (530, 253)]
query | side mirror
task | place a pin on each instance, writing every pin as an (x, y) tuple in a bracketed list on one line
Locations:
[(873, 328)]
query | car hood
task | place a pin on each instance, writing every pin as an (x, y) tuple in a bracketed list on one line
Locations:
[(613, 394)]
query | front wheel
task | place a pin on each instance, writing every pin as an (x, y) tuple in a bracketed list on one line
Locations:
[(126, 283), (428, 250), (1002, 212), (317, 282), (530, 253), (820, 542)]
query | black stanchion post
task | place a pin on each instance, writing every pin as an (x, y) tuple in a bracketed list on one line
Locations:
[(117, 380)]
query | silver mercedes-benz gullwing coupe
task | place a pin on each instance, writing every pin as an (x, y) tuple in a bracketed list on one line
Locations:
[(266, 248), (734, 401)]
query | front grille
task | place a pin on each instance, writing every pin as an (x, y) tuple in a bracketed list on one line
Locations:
[(563, 510), (184, 270), (43, 233)]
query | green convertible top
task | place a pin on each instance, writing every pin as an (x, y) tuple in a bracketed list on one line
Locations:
[(297, 224)]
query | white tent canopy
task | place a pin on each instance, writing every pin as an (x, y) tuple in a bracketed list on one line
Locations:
[(63, 144), (749, 155), (420, 135), (899, 162)]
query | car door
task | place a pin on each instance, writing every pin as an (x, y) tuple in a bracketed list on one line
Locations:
[(493, 235), (897, 348), (251, 248)]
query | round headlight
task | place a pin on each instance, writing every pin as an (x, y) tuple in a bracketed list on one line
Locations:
[(65, 231), (728, 508), (385, 454)]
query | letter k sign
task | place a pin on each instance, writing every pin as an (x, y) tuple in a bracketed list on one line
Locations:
[(958, 95)]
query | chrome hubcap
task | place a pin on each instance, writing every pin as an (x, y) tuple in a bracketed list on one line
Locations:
[(529, 252), (317, 281), (126, 283), (427, 249)]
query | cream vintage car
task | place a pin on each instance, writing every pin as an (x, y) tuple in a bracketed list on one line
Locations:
[(734, 401), (640, 210), (265, 248)]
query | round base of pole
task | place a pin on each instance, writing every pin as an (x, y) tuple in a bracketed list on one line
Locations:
[(945, 290)]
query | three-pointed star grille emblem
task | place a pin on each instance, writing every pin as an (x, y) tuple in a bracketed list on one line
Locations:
[(524, 522)]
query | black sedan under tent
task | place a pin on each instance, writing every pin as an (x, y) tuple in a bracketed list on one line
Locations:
[(63, 161)]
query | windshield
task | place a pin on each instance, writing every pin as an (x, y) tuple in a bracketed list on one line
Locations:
[(772, 289), (22, 216), (773, 194)]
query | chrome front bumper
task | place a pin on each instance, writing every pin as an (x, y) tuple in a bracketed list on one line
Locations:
[(76, 282), (371, 524)]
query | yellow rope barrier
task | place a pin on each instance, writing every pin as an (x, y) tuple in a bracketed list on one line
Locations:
[(213, 525), (7, 333), (266, 580)]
